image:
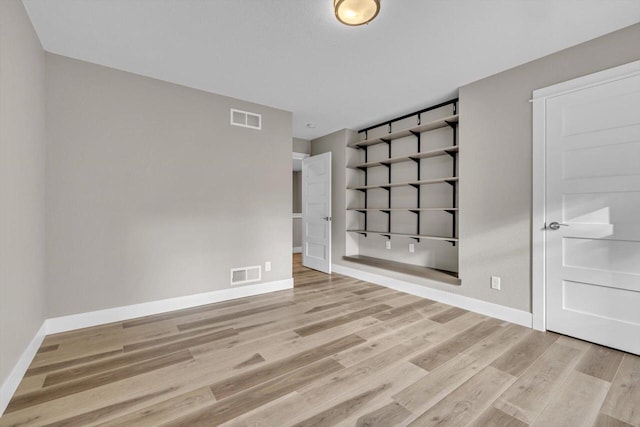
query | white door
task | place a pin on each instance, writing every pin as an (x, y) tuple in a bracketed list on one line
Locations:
[(316, 212), (593, 214)]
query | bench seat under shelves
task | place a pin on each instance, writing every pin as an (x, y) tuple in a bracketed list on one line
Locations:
[(444, 276)]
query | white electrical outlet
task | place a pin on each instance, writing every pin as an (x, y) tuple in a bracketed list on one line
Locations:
[(412, 247), (387, 244), (495, 283), (267, 266)]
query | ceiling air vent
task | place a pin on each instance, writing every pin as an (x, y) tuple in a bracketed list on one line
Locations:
[(246, 275), (246, 119)]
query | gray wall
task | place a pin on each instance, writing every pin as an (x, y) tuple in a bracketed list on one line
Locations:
[(151, 194), (297, 192), (297, 208), (300, 145), (495, 164), (22, 154), (495, 170)]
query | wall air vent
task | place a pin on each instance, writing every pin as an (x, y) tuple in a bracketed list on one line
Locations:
[(246, 119), (246, 275)]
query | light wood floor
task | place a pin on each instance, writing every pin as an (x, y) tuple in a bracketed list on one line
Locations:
[(334, 351)]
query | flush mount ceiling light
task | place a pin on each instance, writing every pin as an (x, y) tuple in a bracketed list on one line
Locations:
[(356, 12)]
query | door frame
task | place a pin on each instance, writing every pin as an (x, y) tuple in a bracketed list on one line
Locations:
[(538, 214)]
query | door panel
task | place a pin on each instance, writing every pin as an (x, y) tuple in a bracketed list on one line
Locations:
[(316, 212), (593, 189)]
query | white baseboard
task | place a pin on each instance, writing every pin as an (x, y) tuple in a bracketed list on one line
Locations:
[(487, 308), (117, 314), (11, 383), (297, 249)]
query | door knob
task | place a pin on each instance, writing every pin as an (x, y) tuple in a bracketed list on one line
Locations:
[(556, 226), (326, 218)]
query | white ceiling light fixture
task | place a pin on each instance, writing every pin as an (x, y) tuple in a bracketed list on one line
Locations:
[(356, 12)]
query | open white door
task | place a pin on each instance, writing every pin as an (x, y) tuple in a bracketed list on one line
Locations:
[(593, 213), (316, 212)]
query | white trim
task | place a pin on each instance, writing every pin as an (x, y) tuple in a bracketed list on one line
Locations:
[(538, 216), (297, 249), (538, 213), (297, 215), (488, 309), (11, 383), (299, 156), (117, 314), (590, 80)]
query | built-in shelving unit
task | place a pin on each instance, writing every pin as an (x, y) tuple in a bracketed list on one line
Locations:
[(364, 167)]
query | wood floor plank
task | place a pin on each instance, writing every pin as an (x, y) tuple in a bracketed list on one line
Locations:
[(390, 379), (340, 320), (531, 393), (255, 397), (72, 362), (264, 373), (48, 348), (133, 357), (448, 315), (343, 383), (164, 411), (299, 344), (520, 357), (368, 291), (233, 316), (391, 414), (253, 360), (323, 307), (607, 421), (278, 412), (426, 392), (404, 309), (582, 396), (493, 417), (623, 399), (183, 313), (435, 357), (98, 414), (73, 387), (467, 402), (600, 362), (294, 408), (30, 383), (79, 335), (330, 417), (176, 337), (425, 330)]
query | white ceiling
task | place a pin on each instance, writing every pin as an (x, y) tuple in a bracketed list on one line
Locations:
[(294, 55)]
